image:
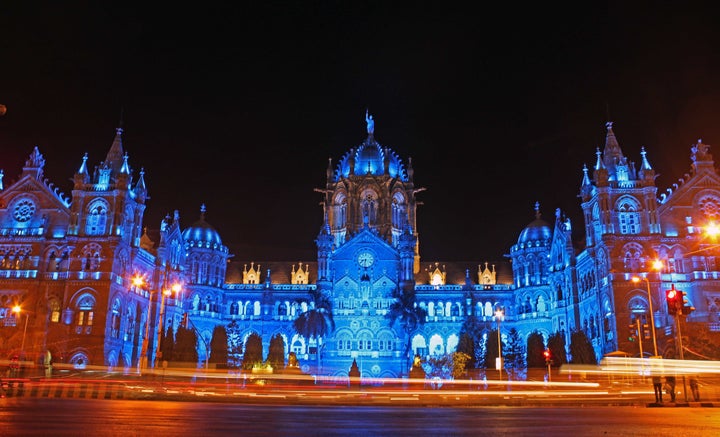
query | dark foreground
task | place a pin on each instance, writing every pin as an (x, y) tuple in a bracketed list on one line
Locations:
[(72, 417)]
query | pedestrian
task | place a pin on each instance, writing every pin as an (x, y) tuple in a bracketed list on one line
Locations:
[(670, 387), (657, 386), (695, 388)]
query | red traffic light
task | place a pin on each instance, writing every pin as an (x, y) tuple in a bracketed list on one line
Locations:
[(674, 299), (546, 353)]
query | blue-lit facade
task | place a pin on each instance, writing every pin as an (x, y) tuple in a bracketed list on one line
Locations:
[(70, 263)]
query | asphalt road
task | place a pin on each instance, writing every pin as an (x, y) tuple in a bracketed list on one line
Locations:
[(74, 417)]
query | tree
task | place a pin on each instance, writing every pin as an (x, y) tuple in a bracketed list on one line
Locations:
[(167, 345), (535, 349), (515, 352), (253, 352), (556, 344), (185, 346), (472, 328), (317, 321), (700, 343), (453, 365), (581, 350), (405, 311), (466, 345), (235, 349), (491, 349), (276, 354), (219, 346)]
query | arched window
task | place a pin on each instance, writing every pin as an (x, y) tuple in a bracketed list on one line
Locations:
[(91, 257), (628, 216), (365, 341), (115, 319), (84, 314), (96, 218), (54, 305), (633, 257), (436, 345)]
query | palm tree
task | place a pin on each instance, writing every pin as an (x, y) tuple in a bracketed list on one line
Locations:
[(404, 310), (317, 321)]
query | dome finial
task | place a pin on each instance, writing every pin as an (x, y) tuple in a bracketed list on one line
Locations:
[(202, 211), (370, 122), (537, 209)]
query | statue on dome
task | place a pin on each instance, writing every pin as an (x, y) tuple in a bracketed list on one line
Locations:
[(370, 122)]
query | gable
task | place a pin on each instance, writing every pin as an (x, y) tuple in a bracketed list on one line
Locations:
[(33, 205)]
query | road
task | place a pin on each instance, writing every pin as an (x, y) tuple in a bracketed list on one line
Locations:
[(27, 416)]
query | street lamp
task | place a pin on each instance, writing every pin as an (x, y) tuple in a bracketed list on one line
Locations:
[(17, 310), (498, 315), (139, 282), (166, 293)]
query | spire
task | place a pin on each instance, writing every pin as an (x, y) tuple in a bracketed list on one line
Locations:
[(645, 165), (612, 153), (83, 167), (114, 158), (140, 188), (586, 178), (599, 162), (125, 169)]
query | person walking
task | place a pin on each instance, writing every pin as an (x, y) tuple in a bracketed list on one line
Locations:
[(657, 386), (694, 388), (670, 383)]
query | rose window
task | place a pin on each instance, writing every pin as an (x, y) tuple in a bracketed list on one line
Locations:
[(24, 210)]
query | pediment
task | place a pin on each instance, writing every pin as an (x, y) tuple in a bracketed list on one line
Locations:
[(48, 196), (365, 239)]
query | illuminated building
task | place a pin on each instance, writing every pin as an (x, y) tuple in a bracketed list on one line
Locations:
[(71, 264)]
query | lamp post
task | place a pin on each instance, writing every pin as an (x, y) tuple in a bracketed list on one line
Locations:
[(166, 293), (139, 282), (498, 314), (17, 310)]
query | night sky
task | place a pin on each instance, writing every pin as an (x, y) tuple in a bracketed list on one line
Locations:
[(240, 106)]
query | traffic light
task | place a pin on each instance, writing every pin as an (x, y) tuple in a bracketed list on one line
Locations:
[(646, 331), (632, 332), (674, 301), (686, 307), (546, 354), (184, 322)]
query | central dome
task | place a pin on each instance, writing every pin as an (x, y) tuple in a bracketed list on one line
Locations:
[(537, 230), (202, 234), (369, 159)]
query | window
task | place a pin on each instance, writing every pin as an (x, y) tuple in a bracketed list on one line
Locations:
[(54, 310), (115, 320), (97, 218), (628, 216), (85, 314)]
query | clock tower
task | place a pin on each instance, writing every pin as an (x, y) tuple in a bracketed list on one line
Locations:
[(367, 252)]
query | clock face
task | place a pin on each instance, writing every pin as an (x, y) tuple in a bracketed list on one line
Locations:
[(365, 259)]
